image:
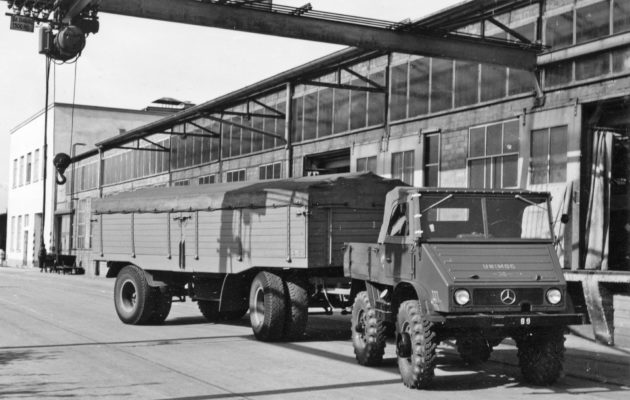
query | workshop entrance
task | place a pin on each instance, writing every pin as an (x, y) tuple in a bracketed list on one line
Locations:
[(605, 194), (331, 162)]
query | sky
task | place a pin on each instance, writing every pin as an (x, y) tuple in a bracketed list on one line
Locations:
[(130, 62)]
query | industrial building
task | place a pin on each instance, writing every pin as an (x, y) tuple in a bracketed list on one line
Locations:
[(428, 121)]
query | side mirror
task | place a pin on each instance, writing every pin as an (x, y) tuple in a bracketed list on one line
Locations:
[(61, 163)]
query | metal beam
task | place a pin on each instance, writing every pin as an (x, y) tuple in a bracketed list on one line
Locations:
[(321, 30), (211, 133), (249, 128), (343, 86), (246, 114)]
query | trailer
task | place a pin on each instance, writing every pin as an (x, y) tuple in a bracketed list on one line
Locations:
[(271, 247)]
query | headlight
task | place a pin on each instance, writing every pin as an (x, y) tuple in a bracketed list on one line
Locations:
[(462, 297), (554, 296)]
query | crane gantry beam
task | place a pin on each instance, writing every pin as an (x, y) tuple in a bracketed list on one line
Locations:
[(264, 21)]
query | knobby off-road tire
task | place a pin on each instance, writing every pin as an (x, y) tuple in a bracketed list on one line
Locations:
[(417, 370), (162, 301), (541, 354), (296, 307), (368, 332), (133, 297), (267, 306), (473, 348)]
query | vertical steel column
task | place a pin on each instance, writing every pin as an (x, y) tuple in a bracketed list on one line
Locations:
[(288, 129), (220, 174)]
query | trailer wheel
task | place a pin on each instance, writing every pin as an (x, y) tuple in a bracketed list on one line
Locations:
[(473, 348), (541, 354), (267, 306), (161, 306), (416, 342), (296, 307), (133, 297), (209, 309), (368, 332)]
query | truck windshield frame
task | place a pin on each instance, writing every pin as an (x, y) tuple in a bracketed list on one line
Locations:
[(465, 217)]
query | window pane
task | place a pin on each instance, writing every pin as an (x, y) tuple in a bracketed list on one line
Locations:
[(592, 21), (466, 83), (226, 134), (342, 110), (376, 101), (592, 66), (371, 164), (409, 166), (559, 30), (431, 176), (358, 102), (494, 139), (558, 154), (397, 165), (324, 120), (476, 173), (257, 123), (398, 100), (520, 82), (419, 87), (298, 113), (621, 60), (310, 116), (269, 125), (493, 78), (442, 85), (527, 30), (431, 149), (246, 136), (361, 164), (477, 142), (510, 171), (621, 16), (510, 137), (559, 73), (540, 151), (277, 170)]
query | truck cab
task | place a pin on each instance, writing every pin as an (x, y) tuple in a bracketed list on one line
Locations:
[(476, 266)]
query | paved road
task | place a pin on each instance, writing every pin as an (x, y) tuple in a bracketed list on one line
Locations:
[(60, 338)]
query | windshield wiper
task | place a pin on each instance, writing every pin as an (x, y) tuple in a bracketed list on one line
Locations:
[(437, 203)]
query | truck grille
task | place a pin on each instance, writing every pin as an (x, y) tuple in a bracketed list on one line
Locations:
[(492, 297)]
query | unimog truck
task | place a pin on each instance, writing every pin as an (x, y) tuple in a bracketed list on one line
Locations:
[(271, 247), (474, 266)]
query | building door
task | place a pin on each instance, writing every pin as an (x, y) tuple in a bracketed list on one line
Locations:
[(25, 248), (37, 237), (331, 162)]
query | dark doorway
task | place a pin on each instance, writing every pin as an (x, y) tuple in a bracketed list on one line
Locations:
[(611, 119), (331, 162)]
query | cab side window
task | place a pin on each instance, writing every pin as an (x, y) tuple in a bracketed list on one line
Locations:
[(398, 223)]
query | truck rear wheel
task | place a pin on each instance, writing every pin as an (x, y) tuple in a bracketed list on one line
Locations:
[(416, 343), (267, 306), (541, 354), (209, 309), (368, 332), (162, 301), (133, 297), (296, 308), (473, 348)]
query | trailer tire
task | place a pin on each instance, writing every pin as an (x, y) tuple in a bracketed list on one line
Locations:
[(209, 309), (416, 343), (473, 348), (541, 355), (161, 305), (296, 307), (267, 308), (133, 297), (368, 332)]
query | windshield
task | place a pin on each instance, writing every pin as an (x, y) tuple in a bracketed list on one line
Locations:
[(475, 216)]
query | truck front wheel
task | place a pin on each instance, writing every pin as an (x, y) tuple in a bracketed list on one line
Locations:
[(133, 296), (541, 354), (368, 332), (267, 306), (416, 343)]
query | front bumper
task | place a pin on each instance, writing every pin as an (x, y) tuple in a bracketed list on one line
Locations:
[(507, 320)]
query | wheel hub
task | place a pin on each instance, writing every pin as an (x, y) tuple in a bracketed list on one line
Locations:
[(403, 345), (128, 296)]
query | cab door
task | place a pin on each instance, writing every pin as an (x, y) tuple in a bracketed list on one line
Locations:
[(398, 258)]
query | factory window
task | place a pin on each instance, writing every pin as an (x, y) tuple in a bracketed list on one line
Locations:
[(466, 83), (621, 60), (621, 16), (403, 166), (15, 172), (366, 164), (182, 182), (441, 84), (559, 30), (83, 239), (419, 72), (493, 155), (592, 66), (592, 21), (559, 73), (206, 180), (548, 155), (18, 242), (431, 160), (398, 92), (269, 171), (29, 165), (235, 176), (21, 178), (36, 166)]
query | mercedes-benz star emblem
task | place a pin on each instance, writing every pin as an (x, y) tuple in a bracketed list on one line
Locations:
[(508, 296)]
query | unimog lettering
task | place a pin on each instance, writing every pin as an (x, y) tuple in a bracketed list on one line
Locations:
[(475, 266)]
